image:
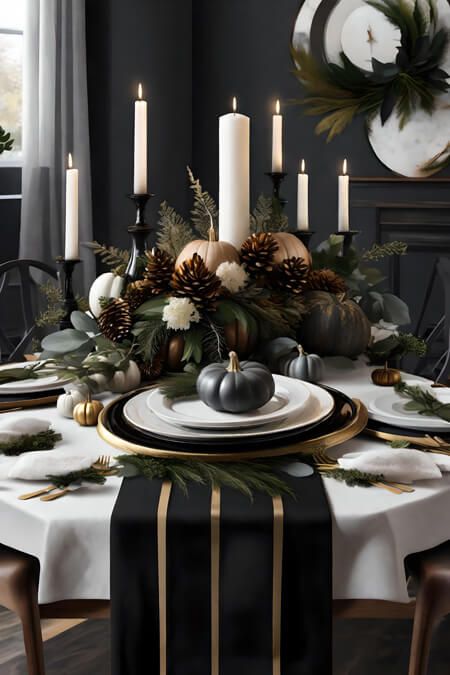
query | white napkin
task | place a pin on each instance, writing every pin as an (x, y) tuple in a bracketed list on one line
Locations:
[(396, 464), (11, 429), (37, 465), (443, 461)]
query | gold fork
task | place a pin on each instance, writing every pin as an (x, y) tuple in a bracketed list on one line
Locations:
[(101, 464), (324, 461)]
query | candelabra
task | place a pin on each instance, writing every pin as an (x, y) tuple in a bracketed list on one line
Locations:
[(69, 302), (139, 232), (347, 240), (305, 236), (277, 177)]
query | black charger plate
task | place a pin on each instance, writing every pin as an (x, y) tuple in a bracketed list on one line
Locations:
[(347, 419)]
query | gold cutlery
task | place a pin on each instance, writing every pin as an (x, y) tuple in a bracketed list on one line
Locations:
[(38, 493), (56, 495), (8, 410)]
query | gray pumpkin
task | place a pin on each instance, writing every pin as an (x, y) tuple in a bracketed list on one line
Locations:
[(303, 366), (235, 388), (276, 349)]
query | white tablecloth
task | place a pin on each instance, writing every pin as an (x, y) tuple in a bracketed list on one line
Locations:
[(373, 530)]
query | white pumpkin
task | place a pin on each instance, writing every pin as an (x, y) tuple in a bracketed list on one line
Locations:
[(67, 402), (107, 285), (212, 252), (124, 381)]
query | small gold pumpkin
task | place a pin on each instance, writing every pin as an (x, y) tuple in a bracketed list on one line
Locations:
[(87, 412), (386, 377)]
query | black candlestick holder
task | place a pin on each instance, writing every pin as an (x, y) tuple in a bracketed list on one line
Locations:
[(139, 232), (277, 177), (69, 303), (305, 236), (348, 240)]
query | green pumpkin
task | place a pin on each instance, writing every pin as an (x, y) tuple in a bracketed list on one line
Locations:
[(302, 366), (334, 326), (235, 387)]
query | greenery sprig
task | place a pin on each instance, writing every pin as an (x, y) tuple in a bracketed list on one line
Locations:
[(396, 346), (423, 401), (115, 258), (44, 440), (352, 477), (89, 475), (246, 477)]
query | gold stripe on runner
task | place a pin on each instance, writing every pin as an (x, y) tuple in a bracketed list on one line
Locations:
[(278, 515), (215, 571), (163, 506)]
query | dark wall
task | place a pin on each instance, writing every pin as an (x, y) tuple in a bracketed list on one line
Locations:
[(127, 43)]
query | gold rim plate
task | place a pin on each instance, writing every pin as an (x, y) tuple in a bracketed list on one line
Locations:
[(351, 428)]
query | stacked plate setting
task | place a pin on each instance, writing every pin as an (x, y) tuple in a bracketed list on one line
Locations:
[(295, 405), (43, 385), (389, 408)]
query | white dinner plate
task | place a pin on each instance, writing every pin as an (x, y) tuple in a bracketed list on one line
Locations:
[(289, 398), (32, 385), (137, 413), (389, 409)]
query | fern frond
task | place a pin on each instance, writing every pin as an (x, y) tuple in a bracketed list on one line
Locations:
[(204, 213), (115, 258), (173, 231)]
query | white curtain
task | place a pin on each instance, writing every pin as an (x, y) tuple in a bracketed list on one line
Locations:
[(55, 122)]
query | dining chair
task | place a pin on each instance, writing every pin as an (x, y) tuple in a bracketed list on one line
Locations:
[(20, 273), (19, 579), (431, 573)]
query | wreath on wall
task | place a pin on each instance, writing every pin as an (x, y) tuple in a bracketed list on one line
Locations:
[(341, 91)]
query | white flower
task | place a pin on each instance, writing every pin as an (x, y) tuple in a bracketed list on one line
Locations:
[(233, 276), (179, 313), (383, 330)]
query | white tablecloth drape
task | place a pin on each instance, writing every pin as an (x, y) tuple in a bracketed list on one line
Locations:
[(373, 530)]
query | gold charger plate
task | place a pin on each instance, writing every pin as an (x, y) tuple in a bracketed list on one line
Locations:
[(350, 429)]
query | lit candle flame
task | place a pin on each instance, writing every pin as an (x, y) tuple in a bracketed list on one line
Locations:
[(302, 166), (277, 107), (139, 91), (344, 167), (234, 104), (69, 161)]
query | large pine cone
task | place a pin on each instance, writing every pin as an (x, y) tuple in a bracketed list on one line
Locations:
[(158, 270), (115, 320), (193, 280), (138, 292), (291, 275), (326, 280), (257, 253)]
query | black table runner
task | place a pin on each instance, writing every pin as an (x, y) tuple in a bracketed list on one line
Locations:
[(211, 583)]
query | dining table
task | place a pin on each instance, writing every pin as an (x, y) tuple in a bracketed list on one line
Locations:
[(373, 530)]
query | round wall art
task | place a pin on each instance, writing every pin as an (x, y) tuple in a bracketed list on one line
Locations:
[(388, 60)]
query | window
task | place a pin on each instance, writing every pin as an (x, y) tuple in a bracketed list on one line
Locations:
[(11, 45)]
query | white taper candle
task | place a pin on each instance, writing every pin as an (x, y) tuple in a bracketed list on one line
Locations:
[(71, 249), (302, 199), (277, 140), (140, 144), (343, 202)]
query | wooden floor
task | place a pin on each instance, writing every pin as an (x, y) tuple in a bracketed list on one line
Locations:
[(361, 647)]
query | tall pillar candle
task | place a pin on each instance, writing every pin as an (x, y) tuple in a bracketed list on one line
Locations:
[(302, 199), (140, 145), (277, 140), (234, 177), (343, 200), (71, 249)]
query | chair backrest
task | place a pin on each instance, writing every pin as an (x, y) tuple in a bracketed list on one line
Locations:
[(20, 271)]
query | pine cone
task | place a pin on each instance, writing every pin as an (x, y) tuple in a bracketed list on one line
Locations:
[(326, 280), (193, 280), (150, 370), (158, 271), (115, 320), (291, 275), (257, 253), (138, 292)]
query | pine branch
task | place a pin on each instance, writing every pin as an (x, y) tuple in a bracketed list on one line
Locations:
[(44, 440), (204, 213), (179, 385), (352, 477), (89, 475), (173, 231), (379, 251), (115, 258), (151, 336), (423, 401), (246, 477)]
